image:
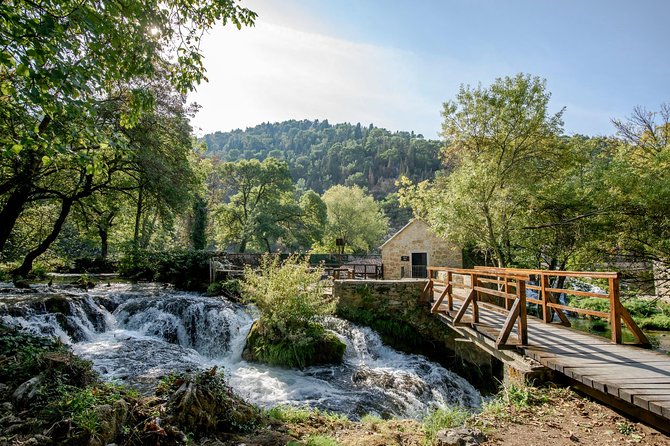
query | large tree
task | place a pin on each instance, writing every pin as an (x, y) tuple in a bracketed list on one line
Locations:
[(252, 195), (355, 217), (500, 141), (61, 64)]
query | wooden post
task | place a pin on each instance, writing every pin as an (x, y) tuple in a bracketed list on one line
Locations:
[(546, 311), (507, 304), (475, 306), (523, 325), (450, 297), (615, 311)]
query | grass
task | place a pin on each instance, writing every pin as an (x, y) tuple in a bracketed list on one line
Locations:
[(648, 314), (438, 419), (291, 414)]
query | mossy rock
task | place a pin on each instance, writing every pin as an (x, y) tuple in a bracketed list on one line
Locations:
[(326, 348)]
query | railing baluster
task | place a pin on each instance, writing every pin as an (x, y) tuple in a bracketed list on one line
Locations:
[(615, 312)]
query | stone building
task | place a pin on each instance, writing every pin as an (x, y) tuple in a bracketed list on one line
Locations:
[(415, 247)]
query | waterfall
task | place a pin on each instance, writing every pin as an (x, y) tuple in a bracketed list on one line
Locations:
[(137, 333)]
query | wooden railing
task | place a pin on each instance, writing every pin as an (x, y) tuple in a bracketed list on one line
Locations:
[(495, 285), (356, 271)]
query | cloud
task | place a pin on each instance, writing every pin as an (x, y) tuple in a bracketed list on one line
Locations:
[(273, 73)]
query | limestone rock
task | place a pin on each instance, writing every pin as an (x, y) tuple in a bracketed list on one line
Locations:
[(459, 437), (26, 392)]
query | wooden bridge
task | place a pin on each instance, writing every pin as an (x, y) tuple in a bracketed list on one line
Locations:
[(489, 307)]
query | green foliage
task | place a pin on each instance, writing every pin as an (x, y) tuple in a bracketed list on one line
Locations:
[(626, 428), (290, 298), (22, 353), (354, 217), (76, 81), (81, 404), (291, 414), (231, 288), (185, 269), (438, 419), (322, 155), (289, 295), (259, 207), (500, 141), (647, 313), (321, 440), (199, 225)]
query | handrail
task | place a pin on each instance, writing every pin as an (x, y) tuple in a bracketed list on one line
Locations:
[(505, 279), (479, 279), (354, 270)]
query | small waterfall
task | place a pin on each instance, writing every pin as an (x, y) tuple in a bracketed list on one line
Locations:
[(138, 333)]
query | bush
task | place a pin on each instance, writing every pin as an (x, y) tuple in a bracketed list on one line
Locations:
[(231, 289), (188, 270), (648, 313), (290, 298)]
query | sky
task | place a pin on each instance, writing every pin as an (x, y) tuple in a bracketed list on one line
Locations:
[(394, 63)]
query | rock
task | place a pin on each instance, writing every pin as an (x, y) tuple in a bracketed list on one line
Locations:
[(26, 392), (38, 440), (459, 437), (264, 347), (112, 418), (21, 283)]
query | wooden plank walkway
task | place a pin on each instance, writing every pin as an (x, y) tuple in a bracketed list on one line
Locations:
[(634, 375)]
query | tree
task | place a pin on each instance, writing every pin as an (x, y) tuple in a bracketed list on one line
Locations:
[(354, 217), (638, 182), (500, 140), (152, 159), (62, 62), (252, 195), (199, 224)]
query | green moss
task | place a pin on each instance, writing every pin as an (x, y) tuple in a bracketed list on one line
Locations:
[(319, 347), (397, 333)]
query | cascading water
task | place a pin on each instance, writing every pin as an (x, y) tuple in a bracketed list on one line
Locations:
[(138, 333)]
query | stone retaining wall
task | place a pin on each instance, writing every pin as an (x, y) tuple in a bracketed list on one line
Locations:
[(399, 302)]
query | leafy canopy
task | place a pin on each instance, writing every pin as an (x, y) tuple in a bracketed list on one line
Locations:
[(354, 217)]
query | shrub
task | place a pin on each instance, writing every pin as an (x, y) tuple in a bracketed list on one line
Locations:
[(231, 289), (290, 298), (187, 270)]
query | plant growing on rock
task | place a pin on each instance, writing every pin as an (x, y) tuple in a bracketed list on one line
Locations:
[(290, 298)]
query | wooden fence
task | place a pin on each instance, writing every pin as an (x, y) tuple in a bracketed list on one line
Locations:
[(507, 289)]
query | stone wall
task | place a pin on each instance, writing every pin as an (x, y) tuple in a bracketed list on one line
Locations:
[(417, 237)]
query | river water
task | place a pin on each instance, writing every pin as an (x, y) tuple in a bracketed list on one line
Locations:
[(137, 333)]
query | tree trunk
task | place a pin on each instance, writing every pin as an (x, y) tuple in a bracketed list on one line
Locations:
[(12, 210), (17, 200), (104, 245), (27, 264), (243, 246), (138, 217)]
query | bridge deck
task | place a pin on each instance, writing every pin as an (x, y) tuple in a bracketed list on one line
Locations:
[(637, 376)]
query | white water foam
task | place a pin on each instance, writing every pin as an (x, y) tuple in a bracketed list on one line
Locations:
[(138, 333)]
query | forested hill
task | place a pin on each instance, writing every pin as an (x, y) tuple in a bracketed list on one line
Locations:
[(323, 155)]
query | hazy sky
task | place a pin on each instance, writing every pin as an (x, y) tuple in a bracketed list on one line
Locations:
[(393, 63)]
